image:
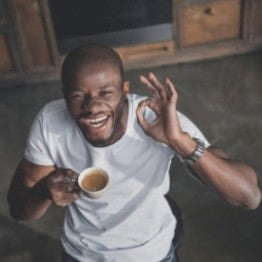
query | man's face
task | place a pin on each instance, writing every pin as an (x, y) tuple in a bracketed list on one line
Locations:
[(96, 99)]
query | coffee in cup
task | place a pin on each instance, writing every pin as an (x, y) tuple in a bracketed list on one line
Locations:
[(93, 181)]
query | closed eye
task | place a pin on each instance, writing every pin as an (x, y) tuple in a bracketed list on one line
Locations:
[(106, 93), (76, 96)]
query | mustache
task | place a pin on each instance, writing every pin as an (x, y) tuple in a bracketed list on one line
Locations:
[(92, 114)]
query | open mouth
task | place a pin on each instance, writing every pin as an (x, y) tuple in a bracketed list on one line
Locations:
[(95, 123)]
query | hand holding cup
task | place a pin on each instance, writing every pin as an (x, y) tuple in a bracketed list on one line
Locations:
[(62, 186)]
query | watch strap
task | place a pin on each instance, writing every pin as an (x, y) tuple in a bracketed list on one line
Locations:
[(195, 155)]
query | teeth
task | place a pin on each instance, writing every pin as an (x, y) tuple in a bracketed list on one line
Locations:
[(97, 125), (97, 120)]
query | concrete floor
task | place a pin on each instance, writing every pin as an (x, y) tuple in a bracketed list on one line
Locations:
[(223, 97)]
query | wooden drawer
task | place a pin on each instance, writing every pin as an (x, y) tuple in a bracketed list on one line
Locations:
[(210, 22), (137, 54)]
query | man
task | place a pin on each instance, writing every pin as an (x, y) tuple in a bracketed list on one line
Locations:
[(133, 138)]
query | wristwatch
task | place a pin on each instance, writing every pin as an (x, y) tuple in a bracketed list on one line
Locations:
[(195, 155)]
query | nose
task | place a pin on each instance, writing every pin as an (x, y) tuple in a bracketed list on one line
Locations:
[(92, 105)]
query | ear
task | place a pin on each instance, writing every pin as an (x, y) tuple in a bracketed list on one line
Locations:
[(126, 87)]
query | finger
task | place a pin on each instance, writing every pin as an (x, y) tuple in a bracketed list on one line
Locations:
[(147, 101), (70, 197), (69, 180), (64, 184), (70, 173), (152, 105), (56, 176), (171, 90), (141, 120), (61, 187), (154, 81), (63, 175), (73, 188), (69, 189), (146, 121), (150, 87), (70, 177), (66, 195), (67, 199)]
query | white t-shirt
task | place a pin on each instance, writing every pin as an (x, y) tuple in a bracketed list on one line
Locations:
[(132, 221)]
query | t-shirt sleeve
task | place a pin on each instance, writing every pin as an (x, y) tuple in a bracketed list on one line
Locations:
[(189, 127), (36, 150)]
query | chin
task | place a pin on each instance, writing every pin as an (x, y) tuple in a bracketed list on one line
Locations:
[(99, 140)]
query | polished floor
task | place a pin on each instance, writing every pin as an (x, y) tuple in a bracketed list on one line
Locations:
[(223, 97)]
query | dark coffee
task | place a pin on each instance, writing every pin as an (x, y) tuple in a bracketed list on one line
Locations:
[(94, 182)]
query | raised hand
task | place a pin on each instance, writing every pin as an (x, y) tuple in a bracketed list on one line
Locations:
[(62, 186), (166, 127)]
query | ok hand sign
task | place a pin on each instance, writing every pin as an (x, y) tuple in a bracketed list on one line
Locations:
[(166, 127)]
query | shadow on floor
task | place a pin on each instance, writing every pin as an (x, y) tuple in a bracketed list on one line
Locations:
[(21, 243)]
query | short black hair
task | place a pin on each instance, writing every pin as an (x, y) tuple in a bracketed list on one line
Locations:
[(88, 54)]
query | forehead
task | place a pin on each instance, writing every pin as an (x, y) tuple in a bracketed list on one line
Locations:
[(96, 74)]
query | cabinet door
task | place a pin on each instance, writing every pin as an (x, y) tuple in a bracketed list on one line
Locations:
[(29, 20), (27, 43), (209, 22)]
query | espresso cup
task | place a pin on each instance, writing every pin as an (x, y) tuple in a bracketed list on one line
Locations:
[(93, 181)]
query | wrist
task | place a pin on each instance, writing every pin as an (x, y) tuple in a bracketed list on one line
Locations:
[(184, 145), (198, 152)]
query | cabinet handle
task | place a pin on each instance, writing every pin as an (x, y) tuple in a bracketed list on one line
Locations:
[(209, 11)]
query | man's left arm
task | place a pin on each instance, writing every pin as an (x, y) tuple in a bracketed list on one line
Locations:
[(235, 181)]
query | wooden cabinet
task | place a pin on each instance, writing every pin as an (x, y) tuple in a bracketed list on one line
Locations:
[(204, 29), (201, 29)]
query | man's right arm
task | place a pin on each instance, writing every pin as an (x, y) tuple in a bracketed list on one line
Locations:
[(35, 187)]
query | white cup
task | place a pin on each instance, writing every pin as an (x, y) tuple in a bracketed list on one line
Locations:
[(93, 181)]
